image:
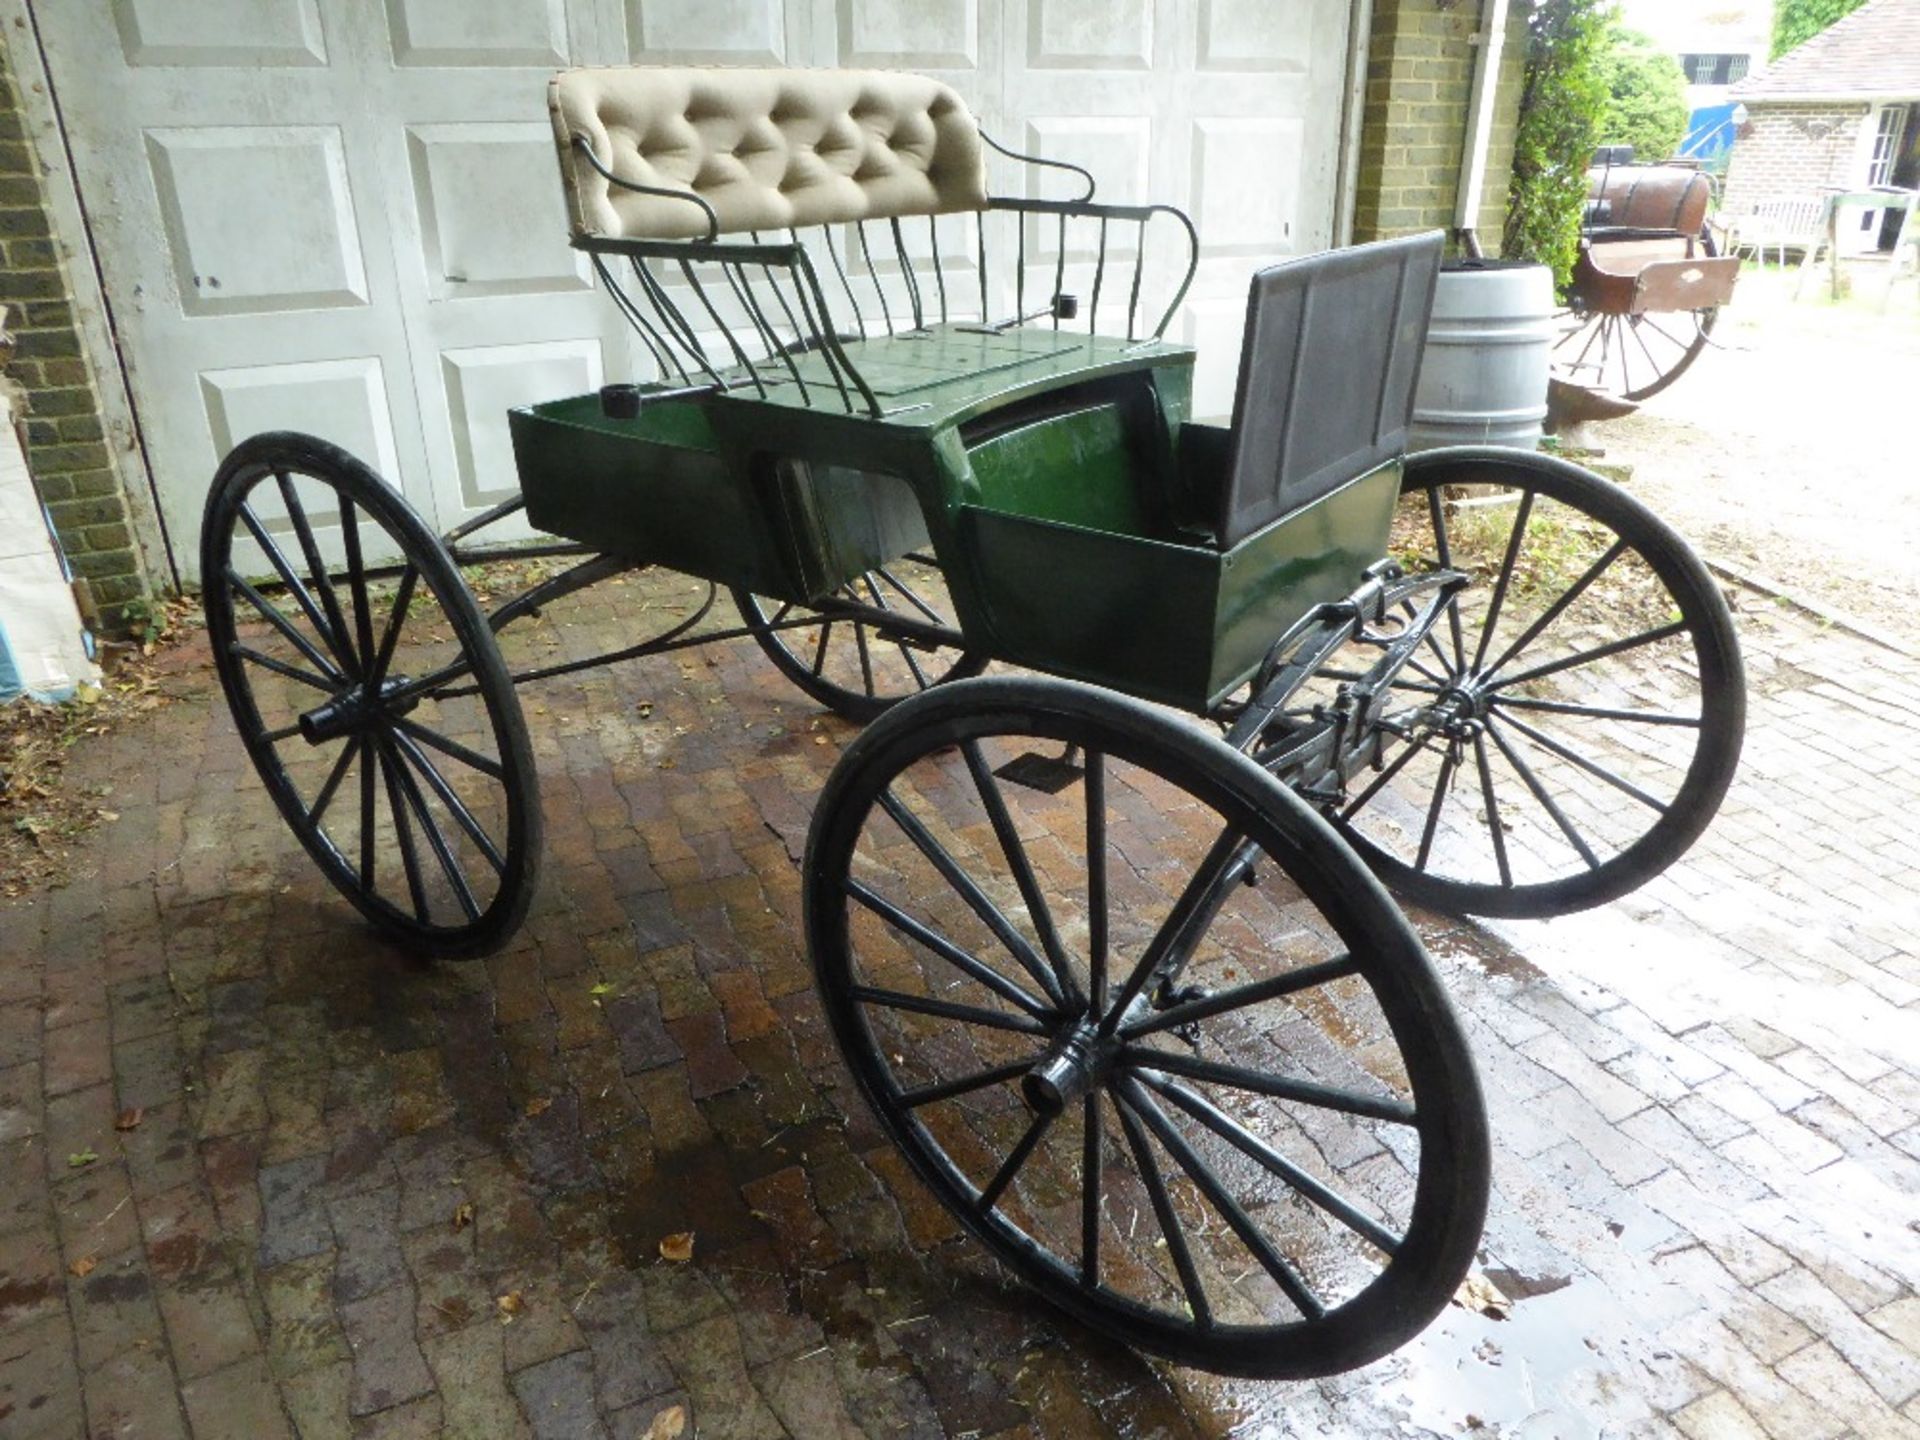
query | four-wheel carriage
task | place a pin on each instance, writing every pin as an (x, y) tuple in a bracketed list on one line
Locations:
[(1648, 283), (1122, 986)]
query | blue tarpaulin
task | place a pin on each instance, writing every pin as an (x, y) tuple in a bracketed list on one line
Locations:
[(1709, 135)]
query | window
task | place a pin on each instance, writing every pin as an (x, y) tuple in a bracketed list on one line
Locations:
[(1714, 69), (1889, 122)]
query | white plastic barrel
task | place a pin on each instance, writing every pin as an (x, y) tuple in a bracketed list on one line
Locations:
[(1483, 375)]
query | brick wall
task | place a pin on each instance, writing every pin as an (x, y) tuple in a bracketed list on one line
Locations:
[(66, 446), (1779, 159), (1414, 126)]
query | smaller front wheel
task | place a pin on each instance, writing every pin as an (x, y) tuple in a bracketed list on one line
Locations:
[(1153, 1035), (368, 691)]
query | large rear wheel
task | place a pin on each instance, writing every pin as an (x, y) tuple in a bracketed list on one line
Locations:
[(1151, 1034)]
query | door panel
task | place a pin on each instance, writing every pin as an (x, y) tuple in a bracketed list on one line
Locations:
[(342, 216)]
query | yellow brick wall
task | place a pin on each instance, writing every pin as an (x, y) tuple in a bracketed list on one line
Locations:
[(1414, 124)]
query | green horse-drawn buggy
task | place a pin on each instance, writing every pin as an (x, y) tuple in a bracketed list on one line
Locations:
[(1108, 953)]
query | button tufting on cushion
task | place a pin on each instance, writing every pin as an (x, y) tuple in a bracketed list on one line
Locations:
[(768, 149)]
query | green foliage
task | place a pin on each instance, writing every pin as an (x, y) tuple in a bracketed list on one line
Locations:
[(1797, 21), (1561, 106), (1647, 108)]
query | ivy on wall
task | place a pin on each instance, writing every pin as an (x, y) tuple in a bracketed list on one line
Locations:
[(1562, 104), (1797, 21)]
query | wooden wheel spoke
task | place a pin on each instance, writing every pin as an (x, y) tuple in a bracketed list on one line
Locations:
[(1388, 1108), (275, 617), (1443, 553), (906, 654), (907, 593), (1587, 657), (456, 807), (357, 578), (368, 807), (947, 950), (1440, 786), (436, 841), (1284, 1273), (1493, 811), (1515, 538), (946, 1009), (1384, 778), (1290, 982), (1016, 857), (1592, 767), (866, 655), (820, 649), (1559, 606), (323, 582), (977, 899), (296, 587), (1163, 1212), (334, 777), (403, 833), (396, 619), (281, 667), (1539, 792), (1195, 900), (1599, 712), (1022, 1151), (466, 756), (1276, 1164), (967, 1084), (1094, 781), (431, 684), (1090, 1175)]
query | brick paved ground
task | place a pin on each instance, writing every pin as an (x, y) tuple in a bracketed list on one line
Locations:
[(1706, 1098)]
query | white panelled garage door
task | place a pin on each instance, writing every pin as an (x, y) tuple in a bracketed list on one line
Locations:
[(342, 216)]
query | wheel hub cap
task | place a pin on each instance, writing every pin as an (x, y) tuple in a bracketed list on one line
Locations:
[(353, 710), (1077, 1061)]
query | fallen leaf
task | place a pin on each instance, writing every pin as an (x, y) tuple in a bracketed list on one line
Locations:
[(509, 1305), (667, 1425), (603, 988), (463, 1215), (645, 707), (83, 1267), (819, 739), (129, 1119), (538, 1105), (677, 1248), (1477, 1292), (81, 1157)]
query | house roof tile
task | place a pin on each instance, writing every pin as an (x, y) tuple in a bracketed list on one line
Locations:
[(1874, 52)]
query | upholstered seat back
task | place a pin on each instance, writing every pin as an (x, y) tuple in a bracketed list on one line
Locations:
[(767, 149)]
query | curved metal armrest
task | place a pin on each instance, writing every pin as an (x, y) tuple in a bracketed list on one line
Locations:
[(1042, 160), (1140, 215), (713, 219)]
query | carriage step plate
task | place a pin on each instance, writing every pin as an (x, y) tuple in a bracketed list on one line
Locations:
[(1049, 774)]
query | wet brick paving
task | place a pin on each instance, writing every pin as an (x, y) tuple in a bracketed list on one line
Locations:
[(1706, 1101)]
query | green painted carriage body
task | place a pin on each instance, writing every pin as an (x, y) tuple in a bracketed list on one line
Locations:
[(1056, 477)]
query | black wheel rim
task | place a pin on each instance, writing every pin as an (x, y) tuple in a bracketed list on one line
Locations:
[(367, 690), (1306, 1225), (860, 669), (1572, 723)]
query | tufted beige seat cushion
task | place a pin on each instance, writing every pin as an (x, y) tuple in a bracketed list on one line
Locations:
[(766, 148)]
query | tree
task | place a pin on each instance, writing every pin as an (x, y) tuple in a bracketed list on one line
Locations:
[(1561, 104), (1797, 21), (1647, 90)]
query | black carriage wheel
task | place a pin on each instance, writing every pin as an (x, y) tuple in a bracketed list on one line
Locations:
[(1274, 1165), (1582, 703), (1632, 356), (857, 669), (377, 710)]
